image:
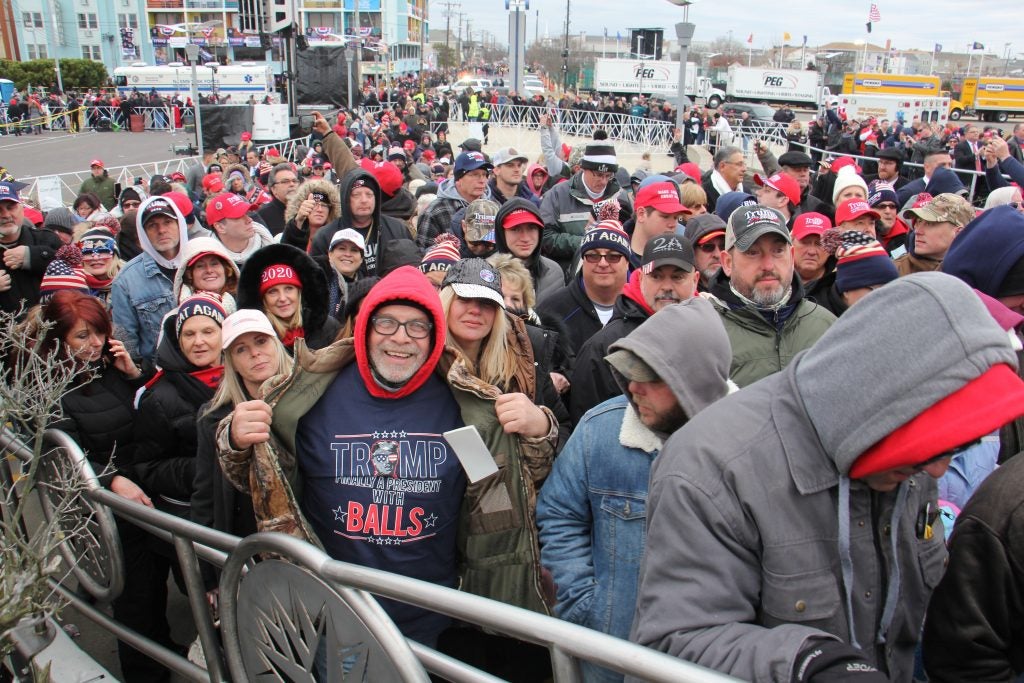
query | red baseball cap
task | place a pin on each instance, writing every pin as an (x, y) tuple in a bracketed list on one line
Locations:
[(96, 162), (226, 205), (183, 203), (409, 145), (783, 183), (246, 136), (811, 223), (388, 176), (212, 182), (852, 209), (520, 217), (691, 170), (663, 196)]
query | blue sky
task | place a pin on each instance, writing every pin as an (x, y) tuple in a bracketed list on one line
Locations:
[(909, 25)]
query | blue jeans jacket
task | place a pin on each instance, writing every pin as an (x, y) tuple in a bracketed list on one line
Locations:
[(140, 297), (592, 514)]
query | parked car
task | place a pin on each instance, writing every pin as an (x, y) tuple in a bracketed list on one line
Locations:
[(758, 112), (477, 84)]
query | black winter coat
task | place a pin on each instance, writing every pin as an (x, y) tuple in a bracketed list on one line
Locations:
[(572, 309), (320, 328), (100, 416), (42, 247), (592, 380), (165, 429)]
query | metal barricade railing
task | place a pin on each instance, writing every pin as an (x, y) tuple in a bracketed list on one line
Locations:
[(285, 603), (972, 185), (70, 183)]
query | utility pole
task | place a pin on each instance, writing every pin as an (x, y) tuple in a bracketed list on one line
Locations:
[(448, 27), (459, 55), (565, 52)]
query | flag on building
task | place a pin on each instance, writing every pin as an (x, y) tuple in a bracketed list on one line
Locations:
[(786, 37), (874, 14), (805, 41), (938, 47), (750, 39), (977, 46), (869, 27)]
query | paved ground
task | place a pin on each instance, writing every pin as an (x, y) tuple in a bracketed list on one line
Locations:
[(60, 152)]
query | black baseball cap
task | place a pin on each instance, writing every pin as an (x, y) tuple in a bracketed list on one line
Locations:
[(668, 249)]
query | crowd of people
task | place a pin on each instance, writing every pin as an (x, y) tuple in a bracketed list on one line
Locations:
[(733, 416)]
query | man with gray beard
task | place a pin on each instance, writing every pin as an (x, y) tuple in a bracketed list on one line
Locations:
[(760, 297), (706, 233)]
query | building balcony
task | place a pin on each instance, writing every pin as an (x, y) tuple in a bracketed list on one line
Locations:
[(165, 4), (320, 4), (225, 5)]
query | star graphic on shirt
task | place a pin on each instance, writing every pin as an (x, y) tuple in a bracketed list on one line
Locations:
[(376, 435), (431, 520), (401, 435), (340, 514), (394, 435)]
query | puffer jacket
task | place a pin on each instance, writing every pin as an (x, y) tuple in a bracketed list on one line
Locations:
[(760, 348), (567, 210), (753, 514), (318, 326), (103, 187), (574, 311), (99, 415), (165, 429), (271, 473)]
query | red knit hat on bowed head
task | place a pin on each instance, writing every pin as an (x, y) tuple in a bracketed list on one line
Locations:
[(978, 408), (278, 274)]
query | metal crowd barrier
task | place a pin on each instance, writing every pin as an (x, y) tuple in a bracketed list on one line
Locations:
[(71, 183), (282, 599)]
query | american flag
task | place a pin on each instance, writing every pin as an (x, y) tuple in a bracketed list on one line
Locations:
[(874, 14)]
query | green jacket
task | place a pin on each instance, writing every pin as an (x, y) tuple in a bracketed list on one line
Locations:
[(758, 348), (103, 187), (567, 210)]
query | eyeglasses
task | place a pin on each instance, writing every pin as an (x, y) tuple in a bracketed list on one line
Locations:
[(612, 258), (286, 181), (415, 329), (886, 205), (603, 175), (130, 205), (98, 251)]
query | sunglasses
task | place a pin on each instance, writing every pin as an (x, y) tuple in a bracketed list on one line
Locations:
[(97, 251), (886, 205), (612, 259), (711, 247), (1014, 205)]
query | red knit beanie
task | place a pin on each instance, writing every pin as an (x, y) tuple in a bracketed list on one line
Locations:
[(278, 274)]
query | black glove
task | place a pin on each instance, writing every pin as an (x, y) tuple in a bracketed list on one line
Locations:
[(829, 661)]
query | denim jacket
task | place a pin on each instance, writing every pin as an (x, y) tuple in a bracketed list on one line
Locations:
[(592, 514), (140, 297)]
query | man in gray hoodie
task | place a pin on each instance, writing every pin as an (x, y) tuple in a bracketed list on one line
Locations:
[(591, 508), (793, 530)]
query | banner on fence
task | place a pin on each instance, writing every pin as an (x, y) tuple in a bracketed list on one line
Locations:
[(49, 192)]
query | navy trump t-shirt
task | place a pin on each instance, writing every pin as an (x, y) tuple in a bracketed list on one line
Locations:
[(382, 488)]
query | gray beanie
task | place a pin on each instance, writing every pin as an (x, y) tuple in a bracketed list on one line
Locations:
[(60, 219)]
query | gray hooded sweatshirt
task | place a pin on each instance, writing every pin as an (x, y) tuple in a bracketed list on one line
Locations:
[(757, 540)]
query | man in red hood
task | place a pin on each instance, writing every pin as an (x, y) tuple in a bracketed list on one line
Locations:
[(381, 487), (667, 275)]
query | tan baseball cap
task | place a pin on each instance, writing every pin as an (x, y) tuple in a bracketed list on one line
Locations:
[(945, 208)]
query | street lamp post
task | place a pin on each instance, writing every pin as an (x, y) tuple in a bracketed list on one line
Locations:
[(192, 52), (684, 33)]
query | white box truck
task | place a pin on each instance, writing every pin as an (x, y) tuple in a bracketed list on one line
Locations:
[(781, 86), (651, 77), (930, 109)]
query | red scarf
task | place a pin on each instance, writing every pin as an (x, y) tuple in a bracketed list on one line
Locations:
[(292, 335), (98, 285), (210, 376)]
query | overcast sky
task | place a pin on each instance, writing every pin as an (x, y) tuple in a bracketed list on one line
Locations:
[(952, 23)]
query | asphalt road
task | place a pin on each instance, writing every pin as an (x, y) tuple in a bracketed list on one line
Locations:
[(61, 152)]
